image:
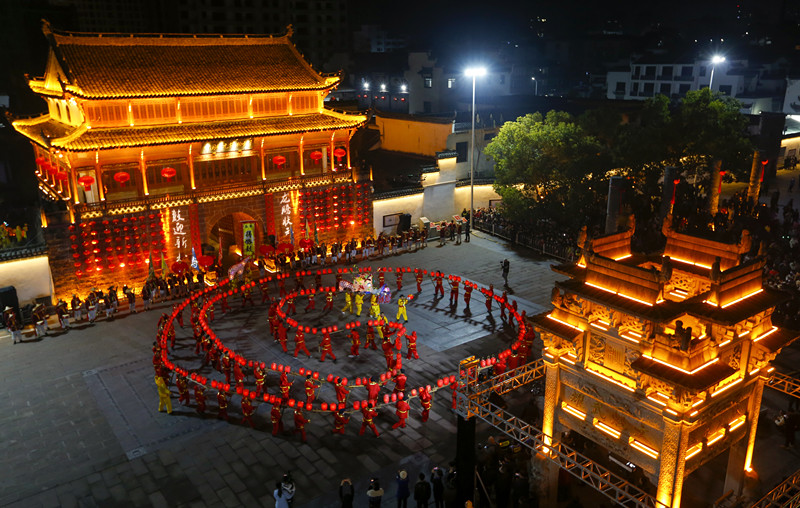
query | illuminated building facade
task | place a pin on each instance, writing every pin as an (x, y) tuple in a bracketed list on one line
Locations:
[(661, 360), (167, 143)]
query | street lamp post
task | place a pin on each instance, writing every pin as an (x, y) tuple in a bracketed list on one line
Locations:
[(474, 72), (536, 86), (714, 61)]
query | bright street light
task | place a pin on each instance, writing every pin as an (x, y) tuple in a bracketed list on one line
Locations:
[(473, 72), (714, 61), (536, 83)]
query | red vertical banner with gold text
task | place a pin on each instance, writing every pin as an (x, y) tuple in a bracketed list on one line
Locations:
[(270, 214)]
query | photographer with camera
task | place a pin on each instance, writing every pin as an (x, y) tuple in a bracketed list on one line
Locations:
[(374, 493)]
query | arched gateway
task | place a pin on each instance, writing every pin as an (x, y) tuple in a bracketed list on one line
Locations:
[(173, 133)]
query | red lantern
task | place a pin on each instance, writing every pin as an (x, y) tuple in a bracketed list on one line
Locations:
[(61, 176), (168, 173), (339, 153), (121, 177), (86, 181), (279, 160), (316, 156)]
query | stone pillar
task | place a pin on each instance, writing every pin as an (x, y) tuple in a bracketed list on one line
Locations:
[(545, 469), (465, 459), (754, 188), (667, 189), (753, 411), (671, 468), (714, 187), (614, 203)]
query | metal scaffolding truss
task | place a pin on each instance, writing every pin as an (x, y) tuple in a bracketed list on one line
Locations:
[(785, 384), (473, 400), (787, 493), (585, 469)]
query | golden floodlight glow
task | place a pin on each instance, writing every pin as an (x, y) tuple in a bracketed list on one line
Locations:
[(745, 297), (568, 358), (694, 450), (766, 334), (698, 369), (632, 339), (550, 316), (626, 256), (687, 262), (769, 370), (612, 380), (577, 413), (638, 445), (726, 387), (606, 429), (623, 295), (724, 343), (736, 423), (716, 436)]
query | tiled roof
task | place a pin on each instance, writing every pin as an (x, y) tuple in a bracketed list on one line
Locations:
[(117, 66), (543, 322), (50, 133), (781, 338), (663, 312), (736, 312)]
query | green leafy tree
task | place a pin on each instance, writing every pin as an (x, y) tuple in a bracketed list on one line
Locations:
[(542, 165)]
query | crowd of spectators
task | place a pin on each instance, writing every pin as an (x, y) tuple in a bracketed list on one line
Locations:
[(545, 236)]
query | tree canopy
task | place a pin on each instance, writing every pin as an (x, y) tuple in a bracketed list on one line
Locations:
[(555, 165)]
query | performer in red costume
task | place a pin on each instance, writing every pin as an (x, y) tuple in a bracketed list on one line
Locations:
[(355, 341), (300, 343), (282, 336), (300, 422), (328, 301), (285, 386), (454, 291), (341, 390), (276, 415), (412, 346), (247, 411), (312, 303), (400, 382), (222, 400), (439, 287), (368, 414), (370, 338), (426, 399), (418, 276), (290, 306), (260, 377), (401, 410), (339, 421), (489, 294), (200, 398), (467, 293), (183, 389), (373, 389), (325, 347), (311, 389), (388, 352)]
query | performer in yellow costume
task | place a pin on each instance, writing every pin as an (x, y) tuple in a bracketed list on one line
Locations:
[(401, 309)]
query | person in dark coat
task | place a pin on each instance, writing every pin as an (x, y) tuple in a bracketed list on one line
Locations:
[(422, 492), (346, 493), (402, 489), (437, 482)]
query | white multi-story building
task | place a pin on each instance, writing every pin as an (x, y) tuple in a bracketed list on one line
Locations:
[(759, 87)]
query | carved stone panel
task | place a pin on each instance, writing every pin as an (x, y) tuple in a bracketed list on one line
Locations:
[(597, 349)]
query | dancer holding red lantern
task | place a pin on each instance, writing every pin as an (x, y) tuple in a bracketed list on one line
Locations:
[(401, 410), (260, 377), (300, 422), (282, 336), (222, 400), (438, 280), (200, 398), (247, 412), (325, 347), (339, 421), (454, 291), (183, 389), (489, 294), (300, 342), (373, 389), (328, 301), (467, 293), (426, 399), (368, 415), (370, 338), (342, 392), (355, 341), (311, 389), (400, 382), (276, 416), (285, 386), (418, 276), (412, 346), (312, 303)]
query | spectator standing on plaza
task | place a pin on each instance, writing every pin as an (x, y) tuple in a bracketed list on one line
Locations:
[(374, 493), (288, 488), (466, 231), (505, 265), (422, 492), (789, 423), (451, 487), (791, 184), (346, 493), (402, 489), (437, 482), (280, 497)]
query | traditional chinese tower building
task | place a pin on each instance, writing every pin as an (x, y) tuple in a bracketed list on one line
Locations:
[(661, 361), (163, 143)]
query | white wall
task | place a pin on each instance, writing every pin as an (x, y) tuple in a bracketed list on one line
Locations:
[(31, 277), (437, 203)]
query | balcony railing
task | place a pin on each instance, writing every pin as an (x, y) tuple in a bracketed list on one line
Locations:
[(215, 193), (683, 78)]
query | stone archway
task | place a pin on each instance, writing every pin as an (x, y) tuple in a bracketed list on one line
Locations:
[(228, 234)]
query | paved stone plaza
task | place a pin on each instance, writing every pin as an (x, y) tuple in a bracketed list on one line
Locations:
[(79, 427)]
